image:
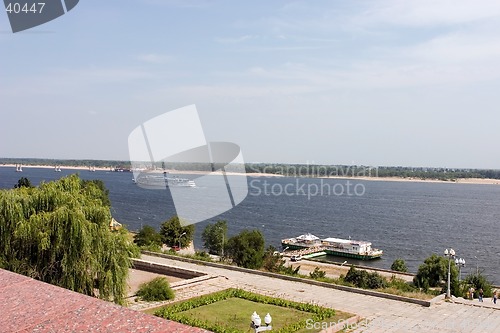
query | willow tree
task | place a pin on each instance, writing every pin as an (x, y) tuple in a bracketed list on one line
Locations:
[(59, 233)]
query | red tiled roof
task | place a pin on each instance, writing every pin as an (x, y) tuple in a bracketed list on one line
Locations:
[(28, 305)]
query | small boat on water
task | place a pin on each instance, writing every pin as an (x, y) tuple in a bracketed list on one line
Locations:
[(309, 244), (161, 181), (57, 169), (19, 168)]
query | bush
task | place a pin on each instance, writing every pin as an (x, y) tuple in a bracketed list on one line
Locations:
[(317, 273), (151, 248), (478, 281), (365, 280), (273, 261), (157, 289), (289, 270), (202, 255), (401, 284), (399, 265)]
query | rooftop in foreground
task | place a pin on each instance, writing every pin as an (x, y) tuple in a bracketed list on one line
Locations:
[(34, 306)]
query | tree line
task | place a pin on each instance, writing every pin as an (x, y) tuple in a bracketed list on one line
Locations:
[(291, 170)]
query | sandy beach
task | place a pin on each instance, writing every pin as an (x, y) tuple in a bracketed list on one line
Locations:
[(476, 181)]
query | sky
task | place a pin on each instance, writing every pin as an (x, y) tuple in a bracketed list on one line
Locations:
[(404, 83)]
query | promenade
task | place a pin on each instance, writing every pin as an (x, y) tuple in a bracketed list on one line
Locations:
[(378, 314)]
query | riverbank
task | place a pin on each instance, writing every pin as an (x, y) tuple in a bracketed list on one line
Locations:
[(475, 181), (62, 167)]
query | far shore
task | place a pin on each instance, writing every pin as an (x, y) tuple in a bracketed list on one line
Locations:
[(476, 181)]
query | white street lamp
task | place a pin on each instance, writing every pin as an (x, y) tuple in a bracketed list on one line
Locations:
[(449, 254), (257, 322), (460, 263)]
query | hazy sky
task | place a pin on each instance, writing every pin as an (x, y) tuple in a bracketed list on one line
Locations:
[(413, 83)]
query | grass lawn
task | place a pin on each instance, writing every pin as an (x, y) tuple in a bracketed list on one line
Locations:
[(236, 312), (229, 312)]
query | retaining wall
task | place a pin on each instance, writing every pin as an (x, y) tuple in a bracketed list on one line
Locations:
[(165, 270)]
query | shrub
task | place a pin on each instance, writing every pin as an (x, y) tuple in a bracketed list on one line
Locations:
[(157, 289), (317, 273), (478, 281), (399, 265), (273, 261), (363, 279), (289, 270), (202, 255), (401, 284)]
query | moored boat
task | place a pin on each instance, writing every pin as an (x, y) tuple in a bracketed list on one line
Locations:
[(333, 246)]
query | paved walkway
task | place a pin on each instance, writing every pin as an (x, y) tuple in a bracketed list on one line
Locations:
[(379, 315)]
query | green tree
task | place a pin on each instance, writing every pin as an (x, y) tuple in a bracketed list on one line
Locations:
[(214, 237), (247, 249), (399, 265), (59, 233), (23, 182), (434, 272), (172, 232), (148, 237)]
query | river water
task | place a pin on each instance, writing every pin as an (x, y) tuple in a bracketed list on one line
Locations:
[(409, 220)]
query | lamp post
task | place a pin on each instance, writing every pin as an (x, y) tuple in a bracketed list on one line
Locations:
[(449, 254), (180, 240), (460, 263), (256, 323)]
